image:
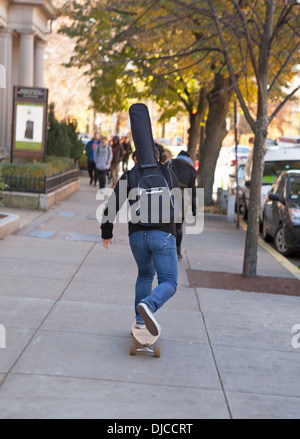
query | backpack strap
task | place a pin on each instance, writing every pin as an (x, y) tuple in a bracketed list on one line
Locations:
[(169, 164)]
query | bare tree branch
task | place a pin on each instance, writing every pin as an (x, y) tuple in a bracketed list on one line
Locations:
[(253, 9), (120, 11), (283, 16), (282, 104), (279, 72), (264, 56), (233, 79), (248, 38)]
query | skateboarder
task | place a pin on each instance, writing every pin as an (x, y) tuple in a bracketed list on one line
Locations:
[(153, 245)]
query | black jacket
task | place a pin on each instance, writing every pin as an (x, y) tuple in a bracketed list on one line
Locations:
[(185, 172), (115, 203)]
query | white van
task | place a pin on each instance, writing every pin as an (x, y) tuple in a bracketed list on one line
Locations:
[(280, 156)]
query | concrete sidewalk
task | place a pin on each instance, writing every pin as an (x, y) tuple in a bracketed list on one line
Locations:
[(67, 306)]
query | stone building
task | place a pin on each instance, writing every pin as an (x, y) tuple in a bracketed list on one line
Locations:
[(23, 28)]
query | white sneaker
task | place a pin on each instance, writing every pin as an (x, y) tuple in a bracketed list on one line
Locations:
[(148, 317), (140, 325)]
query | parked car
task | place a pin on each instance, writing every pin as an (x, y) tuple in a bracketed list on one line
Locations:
[(242, 154), (279, 157), (232, 183), (281, 213)]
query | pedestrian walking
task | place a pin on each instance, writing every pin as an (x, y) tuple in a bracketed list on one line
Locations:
[(134, 157), (118, 154), (152, 242), (161, 151), (127, 151), (110, 142), (90, 148), (102, 158), (183, 167)]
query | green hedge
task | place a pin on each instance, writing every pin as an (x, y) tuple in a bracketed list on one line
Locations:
[(53, 165), (30, 173)]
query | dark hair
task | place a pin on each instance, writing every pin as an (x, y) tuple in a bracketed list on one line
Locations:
[(186, 153)]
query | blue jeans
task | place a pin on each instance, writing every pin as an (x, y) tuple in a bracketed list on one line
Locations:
[(154, 251)]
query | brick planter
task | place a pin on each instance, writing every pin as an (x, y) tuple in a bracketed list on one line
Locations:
[(8, 224), (31, 201)]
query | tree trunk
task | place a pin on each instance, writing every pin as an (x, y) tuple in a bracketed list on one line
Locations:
[(195, 124), (259, 149), (250, 254), (194, 134), (218, 103)]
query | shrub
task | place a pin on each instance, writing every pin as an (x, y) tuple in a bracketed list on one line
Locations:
[(3, 185), (76, 146), (62, 138), (82, 164), (53, 165), (30, 173), (58, 143)]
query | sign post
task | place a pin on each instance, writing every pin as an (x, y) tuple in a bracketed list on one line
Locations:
[(236, 169), (29, 127)]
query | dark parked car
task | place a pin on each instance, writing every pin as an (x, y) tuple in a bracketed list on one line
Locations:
[(281, 213)]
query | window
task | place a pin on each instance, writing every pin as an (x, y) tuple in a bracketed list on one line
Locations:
[(294, 187), (272, 170)]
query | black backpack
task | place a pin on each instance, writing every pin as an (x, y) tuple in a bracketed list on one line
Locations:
[(151, 200)]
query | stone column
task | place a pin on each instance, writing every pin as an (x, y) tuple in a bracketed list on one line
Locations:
[(5, 91), (39, 64), (26, 60)]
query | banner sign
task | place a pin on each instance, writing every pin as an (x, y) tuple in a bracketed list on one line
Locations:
[(29, 130)]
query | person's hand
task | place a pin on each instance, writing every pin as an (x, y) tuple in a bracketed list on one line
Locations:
[(106, 242)]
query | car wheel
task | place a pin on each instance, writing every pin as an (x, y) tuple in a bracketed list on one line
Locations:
[(279, 241), (265, 234)]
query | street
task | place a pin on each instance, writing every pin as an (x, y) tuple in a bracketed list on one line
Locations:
[(221, 181)]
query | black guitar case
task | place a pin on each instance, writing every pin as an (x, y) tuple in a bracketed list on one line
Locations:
[(148, 175)]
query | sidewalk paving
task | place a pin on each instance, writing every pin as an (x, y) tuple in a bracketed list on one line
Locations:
[(67, 306)]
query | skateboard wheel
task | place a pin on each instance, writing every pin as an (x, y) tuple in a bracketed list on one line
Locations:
[(157, 351), (132, 350)]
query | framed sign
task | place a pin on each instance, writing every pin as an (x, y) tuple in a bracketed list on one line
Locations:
[(29, 128)]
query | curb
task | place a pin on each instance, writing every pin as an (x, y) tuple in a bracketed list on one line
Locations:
[(9, 224), (281, 259)]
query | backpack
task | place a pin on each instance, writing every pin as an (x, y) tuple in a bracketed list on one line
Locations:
[(151, 199)]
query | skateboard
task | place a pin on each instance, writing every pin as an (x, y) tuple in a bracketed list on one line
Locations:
[(143, 340)]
